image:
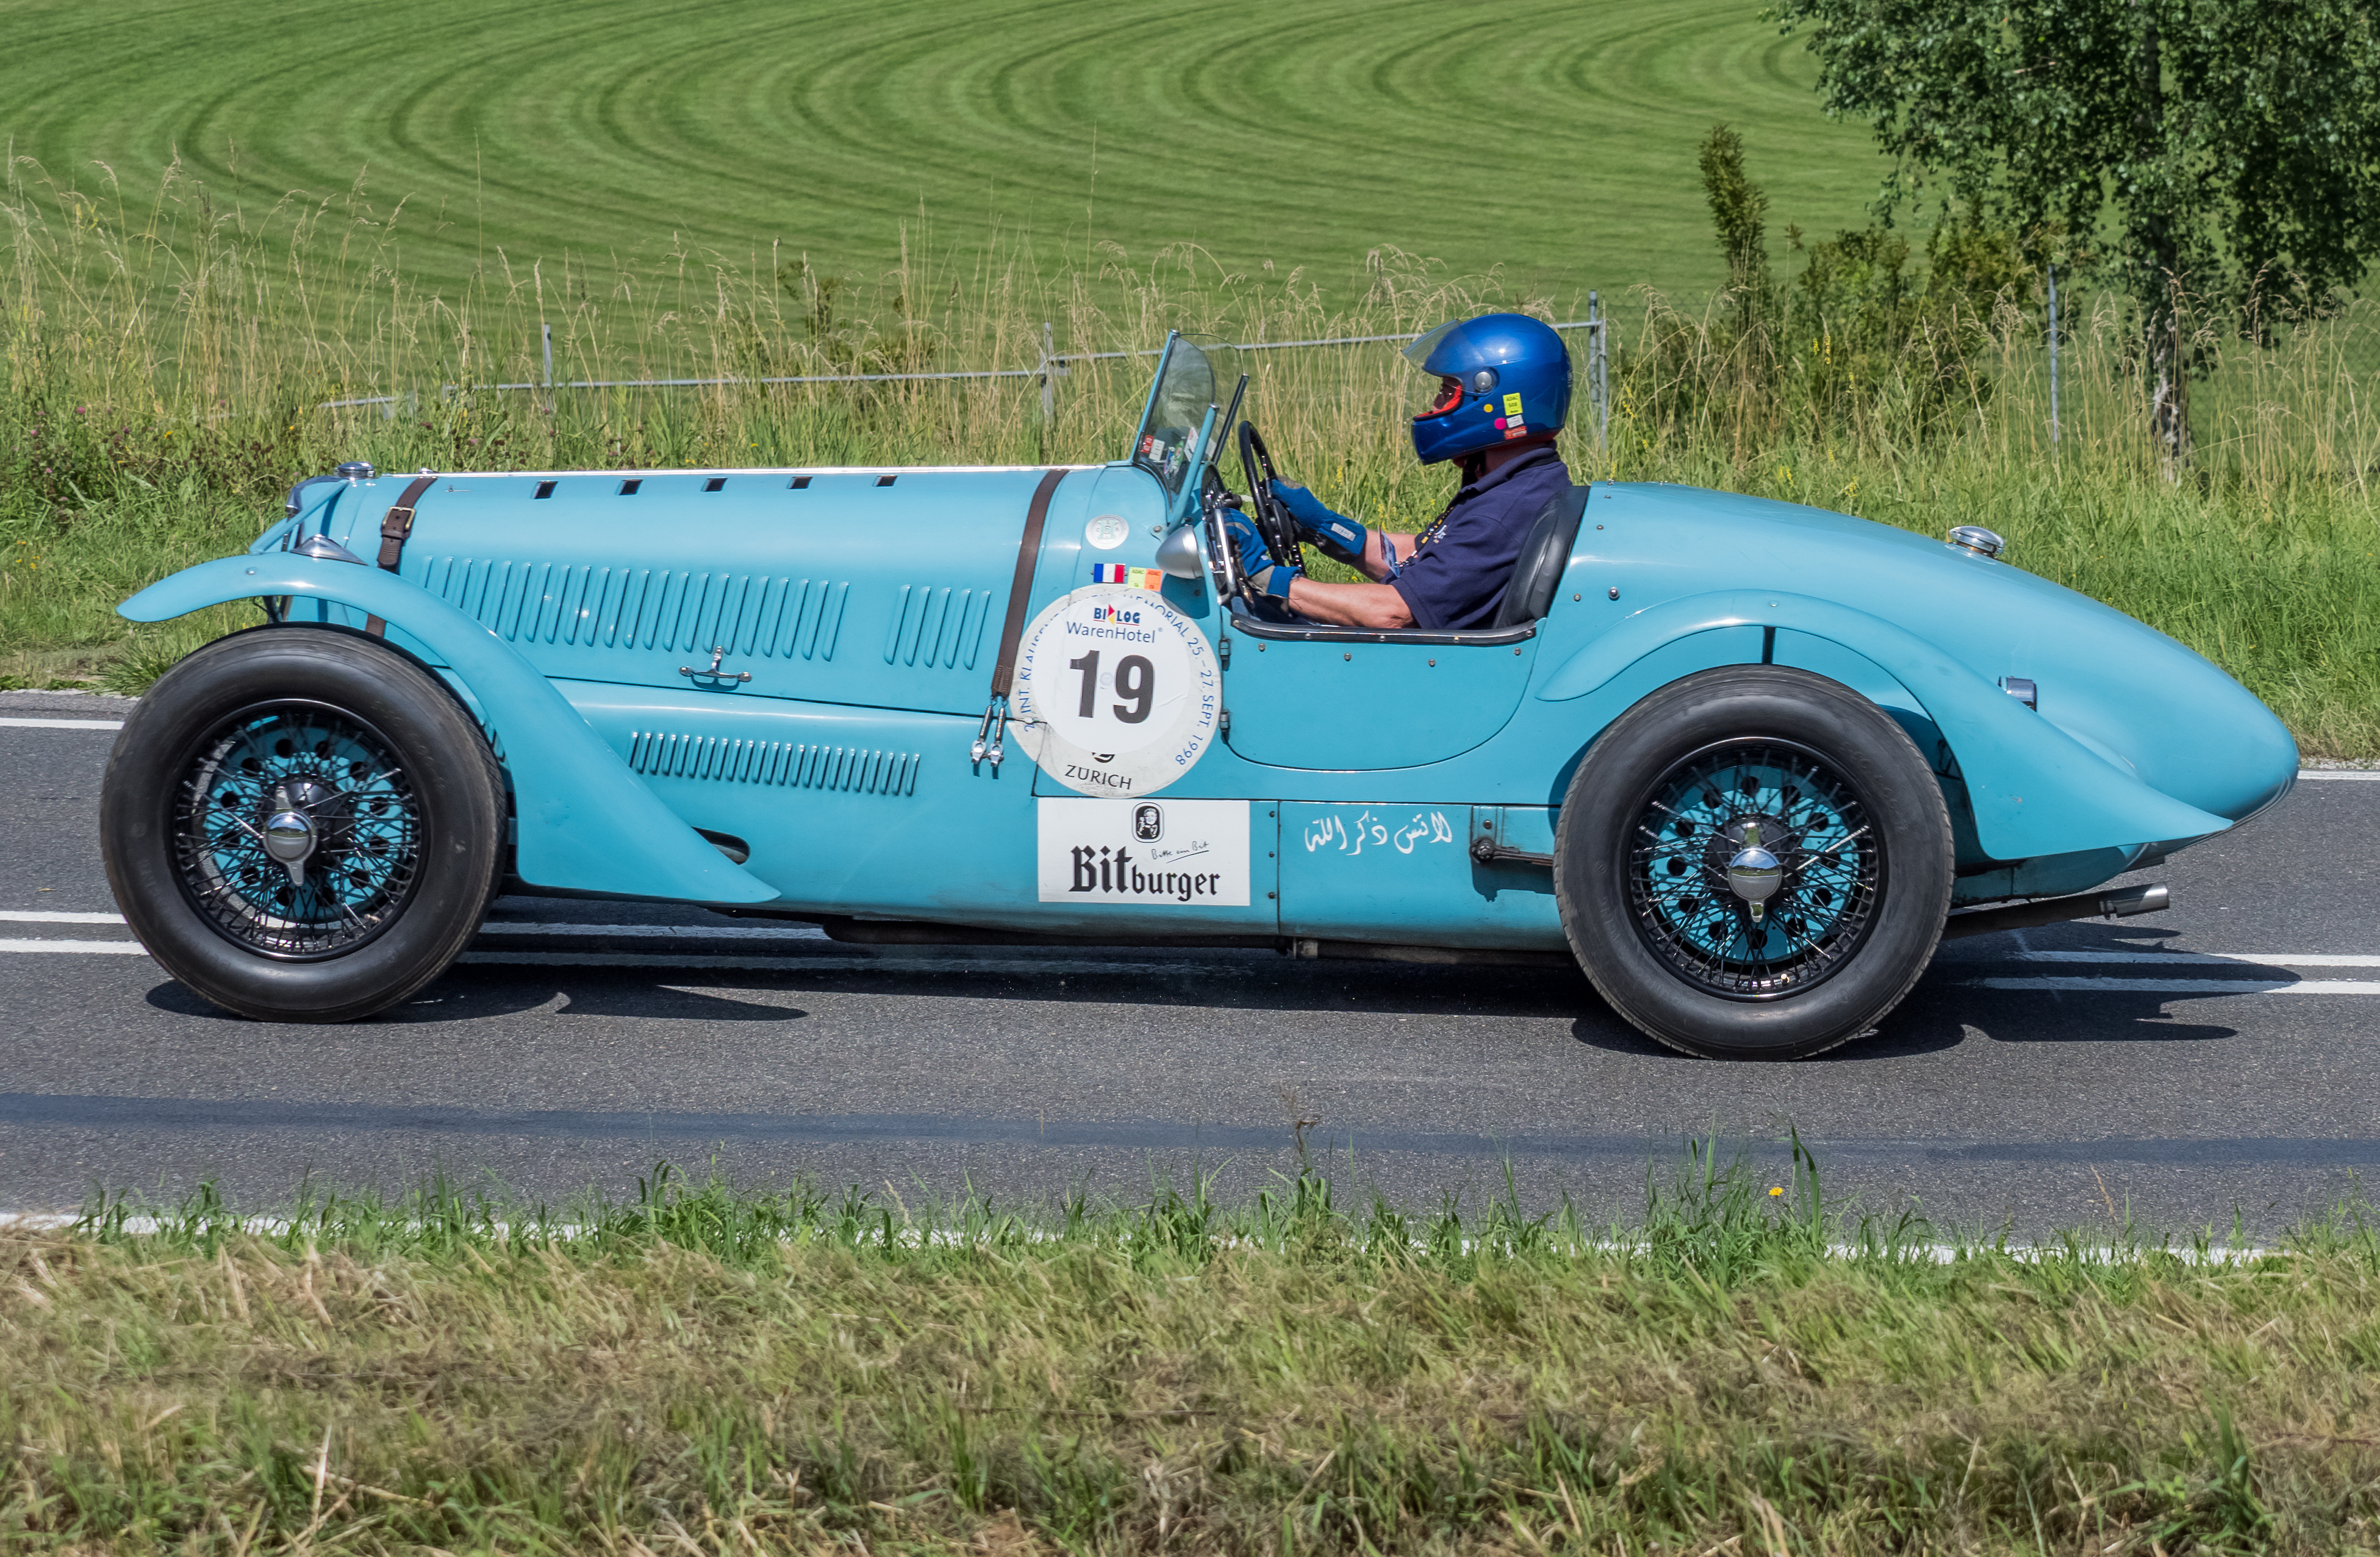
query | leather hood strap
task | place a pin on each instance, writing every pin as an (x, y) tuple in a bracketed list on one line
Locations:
[(395, 525), (1020, 588)]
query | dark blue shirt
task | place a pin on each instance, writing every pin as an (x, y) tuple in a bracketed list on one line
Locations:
[(1456, 579)]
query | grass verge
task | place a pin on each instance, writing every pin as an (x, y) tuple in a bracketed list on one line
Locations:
[(696, 1369)]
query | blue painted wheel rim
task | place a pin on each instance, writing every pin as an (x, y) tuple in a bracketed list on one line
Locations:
[(343, 777), (1694, 819)]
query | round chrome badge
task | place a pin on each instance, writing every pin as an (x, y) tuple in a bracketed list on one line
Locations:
[(1106, 533), (1117, 693)]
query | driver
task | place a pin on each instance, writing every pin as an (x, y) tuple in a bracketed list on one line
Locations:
[(1503, 389)]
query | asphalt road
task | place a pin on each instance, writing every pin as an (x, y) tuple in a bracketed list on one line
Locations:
[(2210, 1062)]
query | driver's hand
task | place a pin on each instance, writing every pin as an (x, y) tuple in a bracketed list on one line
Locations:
[(1256, 566), (1341, 538)]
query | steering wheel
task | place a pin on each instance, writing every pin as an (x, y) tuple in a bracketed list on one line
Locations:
[(1270, 514)]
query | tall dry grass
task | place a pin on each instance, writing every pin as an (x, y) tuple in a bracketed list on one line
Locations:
[(167, 366)]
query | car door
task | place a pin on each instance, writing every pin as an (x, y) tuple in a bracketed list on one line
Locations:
[(1333, 698)]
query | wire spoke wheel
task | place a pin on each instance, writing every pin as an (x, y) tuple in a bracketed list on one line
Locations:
[(302, 825), (1706, 811), (297, 831), (1754, 862)]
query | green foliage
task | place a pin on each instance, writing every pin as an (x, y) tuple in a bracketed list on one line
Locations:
[(2228, 150), (1860, 336), (696, 1367), (1738, 210), (2236, 141)]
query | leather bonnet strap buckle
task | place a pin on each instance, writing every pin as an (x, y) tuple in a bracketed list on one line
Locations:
[(395, 527)]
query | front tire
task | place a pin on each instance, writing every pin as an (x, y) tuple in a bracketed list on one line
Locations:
[(1658, 870), (301, 824)]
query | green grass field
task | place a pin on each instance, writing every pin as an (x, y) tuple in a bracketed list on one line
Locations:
[(1553, 138), (705, 1373)]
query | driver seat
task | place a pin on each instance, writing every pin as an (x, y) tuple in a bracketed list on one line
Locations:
[(1536, 573)]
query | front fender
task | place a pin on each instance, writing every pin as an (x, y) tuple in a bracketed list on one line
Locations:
[(2035, 789), (585, 822)]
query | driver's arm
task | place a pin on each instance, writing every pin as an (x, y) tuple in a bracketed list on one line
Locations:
[(1386, 551), (1349, 605), (1345, 605)]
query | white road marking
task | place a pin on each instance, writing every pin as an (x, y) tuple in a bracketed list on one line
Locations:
[(2186, 959), (2182, 986), (889, 959), (2364, 774), (63, 724)]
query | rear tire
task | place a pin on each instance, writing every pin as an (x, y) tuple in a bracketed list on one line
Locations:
[(301, 824), (1659, 811)]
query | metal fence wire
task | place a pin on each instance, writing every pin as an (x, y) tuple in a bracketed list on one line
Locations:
[(1052, 367)]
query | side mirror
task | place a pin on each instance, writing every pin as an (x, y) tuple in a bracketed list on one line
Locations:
[(1179, 554)]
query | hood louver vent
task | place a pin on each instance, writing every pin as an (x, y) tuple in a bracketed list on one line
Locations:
[(783, 763), (641, 607)]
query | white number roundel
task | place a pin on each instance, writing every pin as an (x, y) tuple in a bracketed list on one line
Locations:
[(1116, 692)]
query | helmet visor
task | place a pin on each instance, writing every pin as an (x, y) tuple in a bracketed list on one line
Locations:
[(1418, 353)]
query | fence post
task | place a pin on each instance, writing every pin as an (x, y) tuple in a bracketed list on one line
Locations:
[(1049, 380), (2053, 358), (1597, 382), (548, 330)]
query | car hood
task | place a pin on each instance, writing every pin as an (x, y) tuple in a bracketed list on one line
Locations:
[(2144, 702)]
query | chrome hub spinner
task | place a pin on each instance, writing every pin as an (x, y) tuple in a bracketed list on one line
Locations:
[(1753, 874), (289, 835)]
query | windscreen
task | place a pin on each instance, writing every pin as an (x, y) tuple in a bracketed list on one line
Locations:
[(1194, 374)]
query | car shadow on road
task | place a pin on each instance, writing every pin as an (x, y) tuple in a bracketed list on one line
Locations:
[(2001, 989), (1998, 989), (461, 996), (1261, 982)]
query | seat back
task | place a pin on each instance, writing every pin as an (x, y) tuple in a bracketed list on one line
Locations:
[(1539, 570)]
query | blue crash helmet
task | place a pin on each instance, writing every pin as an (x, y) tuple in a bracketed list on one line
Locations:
[(1502, 377)]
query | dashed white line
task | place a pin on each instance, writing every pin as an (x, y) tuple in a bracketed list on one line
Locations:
[(2225, 959), (63, 724), (104, 948), (2182, 986), (46, 916), (2367, 774)]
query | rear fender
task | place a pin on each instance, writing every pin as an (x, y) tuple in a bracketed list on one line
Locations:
[(585, 822), (2035, 789)]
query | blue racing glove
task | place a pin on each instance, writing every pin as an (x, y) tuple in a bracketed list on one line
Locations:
[(1269, 577), (1341, 538)]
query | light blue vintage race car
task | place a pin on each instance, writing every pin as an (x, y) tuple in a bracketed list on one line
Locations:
[(1745, 762)]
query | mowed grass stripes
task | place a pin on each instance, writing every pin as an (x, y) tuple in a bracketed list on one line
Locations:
[(1554, 139)]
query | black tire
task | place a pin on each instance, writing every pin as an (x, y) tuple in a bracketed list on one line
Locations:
[(398, 805), (1656, 815)]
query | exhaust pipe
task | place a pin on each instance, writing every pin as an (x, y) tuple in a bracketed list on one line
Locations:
[(2121, 905)]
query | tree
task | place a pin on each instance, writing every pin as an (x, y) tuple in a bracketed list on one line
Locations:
[(2229, 148), (1739, 212)]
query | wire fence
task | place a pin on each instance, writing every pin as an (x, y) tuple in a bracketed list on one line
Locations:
[(1052, 367)]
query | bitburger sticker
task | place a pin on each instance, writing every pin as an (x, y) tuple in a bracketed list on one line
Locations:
[(1144, 852), (1116, 692)]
